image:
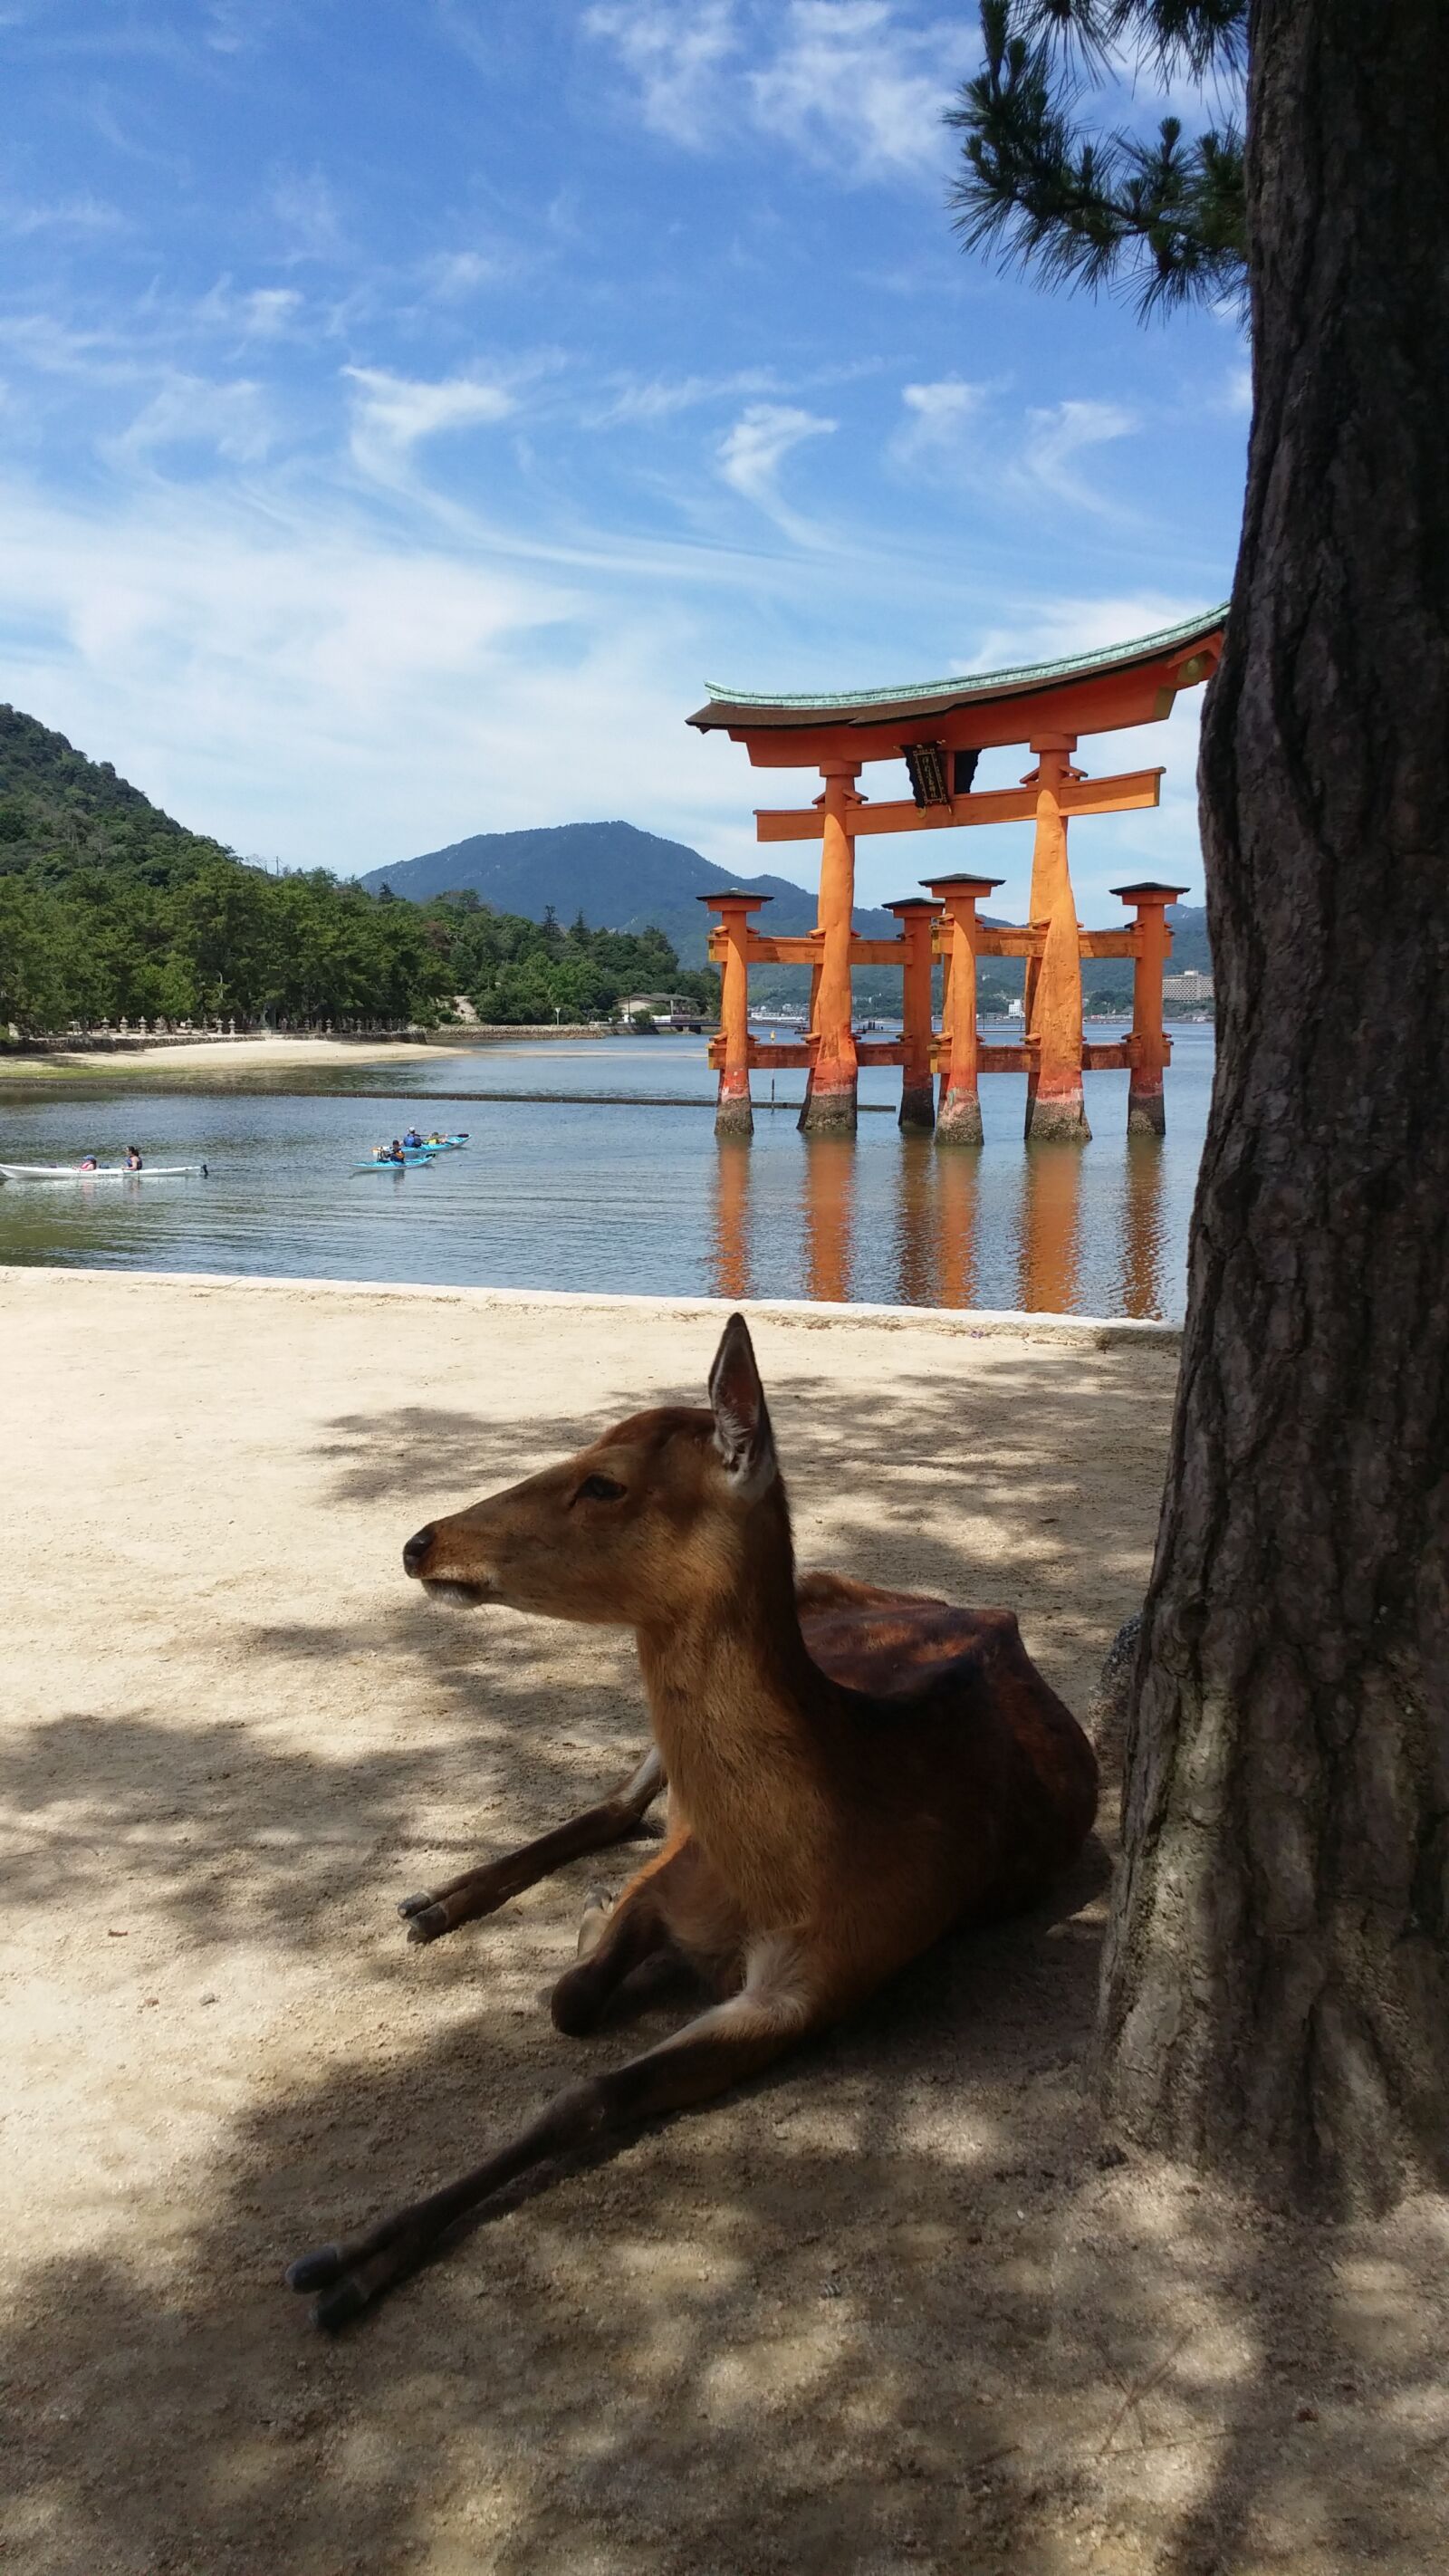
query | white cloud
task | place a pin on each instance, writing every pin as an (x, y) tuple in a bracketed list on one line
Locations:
[(675, 54), (304, 206), (84, 214), (853, 83), (854, 86), (1055, 437), (643, 400), (750, 455), (404, 692), (254, 313), (932, 433), (450, 275), (391, 414), (232, 419)]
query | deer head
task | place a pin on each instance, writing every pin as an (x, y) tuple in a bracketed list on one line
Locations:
[(661, 1515)]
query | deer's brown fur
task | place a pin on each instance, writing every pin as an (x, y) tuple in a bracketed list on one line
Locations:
[(851, 1771)]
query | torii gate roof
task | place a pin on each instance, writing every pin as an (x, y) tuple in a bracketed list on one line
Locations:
[(1100, 692)]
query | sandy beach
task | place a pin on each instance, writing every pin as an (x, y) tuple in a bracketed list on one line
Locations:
[(226, 1056), (897, 2306)]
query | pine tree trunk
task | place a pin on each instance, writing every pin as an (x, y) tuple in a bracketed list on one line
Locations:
[(1277, 1982)]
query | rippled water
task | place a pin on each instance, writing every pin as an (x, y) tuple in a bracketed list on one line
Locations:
[(559, 1193)]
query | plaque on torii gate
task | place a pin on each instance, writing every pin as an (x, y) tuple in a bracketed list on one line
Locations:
[(940, 729)]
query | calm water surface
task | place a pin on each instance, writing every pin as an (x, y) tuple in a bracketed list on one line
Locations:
[(555, 1193)]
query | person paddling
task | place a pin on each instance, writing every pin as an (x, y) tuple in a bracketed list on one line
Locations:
[(133, 1158)]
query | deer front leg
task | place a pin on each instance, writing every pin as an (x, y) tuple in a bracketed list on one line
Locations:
[(613, 1942), (482, 1891), (726, 2044)]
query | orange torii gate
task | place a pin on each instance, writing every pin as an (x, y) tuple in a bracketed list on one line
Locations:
[(940, 730)]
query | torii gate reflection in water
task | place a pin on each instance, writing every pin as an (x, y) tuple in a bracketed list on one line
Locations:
[(932, 1226), (940, 730)]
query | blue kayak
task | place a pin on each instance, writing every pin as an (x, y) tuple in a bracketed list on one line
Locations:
[(390, 1163)]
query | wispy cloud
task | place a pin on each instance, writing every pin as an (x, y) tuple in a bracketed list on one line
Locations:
[(232, 420), (253, 312), (391, 415), (82, 215), (853, 85), (642, 401), (1056, 437), (675, 55), (933, 432), (751, 454), (450, 276), (854, 80), (306, 209)]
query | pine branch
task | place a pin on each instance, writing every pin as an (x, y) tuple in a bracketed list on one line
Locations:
[(1165, 219)]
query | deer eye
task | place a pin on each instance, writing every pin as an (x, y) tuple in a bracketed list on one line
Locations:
[(599, 1489)]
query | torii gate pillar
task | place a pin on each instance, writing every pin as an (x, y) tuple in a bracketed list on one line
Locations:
[(830, 1087), (1055, 1108)]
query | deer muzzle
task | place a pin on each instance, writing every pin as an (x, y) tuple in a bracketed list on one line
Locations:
[(426, 1562)]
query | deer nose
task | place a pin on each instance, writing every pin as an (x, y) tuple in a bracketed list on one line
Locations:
[(417, 1548)]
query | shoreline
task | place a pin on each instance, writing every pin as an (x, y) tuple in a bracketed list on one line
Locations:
[(245, 1054), (799, 1314)]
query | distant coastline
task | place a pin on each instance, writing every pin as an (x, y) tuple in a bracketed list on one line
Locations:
[(31, 1059)]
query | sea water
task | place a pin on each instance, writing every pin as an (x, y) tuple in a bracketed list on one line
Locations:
[(560, 1192)]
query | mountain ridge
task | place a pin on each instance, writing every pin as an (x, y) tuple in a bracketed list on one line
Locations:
[(619, 876), (628, 879)]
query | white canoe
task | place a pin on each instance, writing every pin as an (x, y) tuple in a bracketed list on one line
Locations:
[(102, 1172)]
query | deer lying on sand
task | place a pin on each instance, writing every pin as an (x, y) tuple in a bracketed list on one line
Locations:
[(851, 1772)]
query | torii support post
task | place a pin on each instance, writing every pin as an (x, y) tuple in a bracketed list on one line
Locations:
[(1146, 1114), (1055, 1108), (830, 1087), (734, 1115), (917, 918), (960, 1120)]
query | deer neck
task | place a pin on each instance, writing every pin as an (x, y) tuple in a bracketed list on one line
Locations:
[(735, 1699)]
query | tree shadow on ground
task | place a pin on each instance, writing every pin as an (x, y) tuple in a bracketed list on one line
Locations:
[(899, 2305)]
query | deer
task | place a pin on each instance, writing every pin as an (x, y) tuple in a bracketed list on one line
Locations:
[(852, 1773)]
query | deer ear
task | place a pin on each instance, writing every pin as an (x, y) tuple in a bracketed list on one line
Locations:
[(742, 1433)]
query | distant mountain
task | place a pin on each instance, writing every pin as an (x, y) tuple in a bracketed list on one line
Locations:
[(1188, 924), (623, 879), (619, 878)]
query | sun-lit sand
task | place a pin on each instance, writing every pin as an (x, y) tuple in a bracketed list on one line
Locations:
[(895, 2306), (247, 1055)]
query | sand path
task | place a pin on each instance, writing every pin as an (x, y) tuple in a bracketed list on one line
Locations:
[(888, 2310)]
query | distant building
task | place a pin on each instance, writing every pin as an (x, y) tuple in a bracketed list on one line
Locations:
[(1189, 986)]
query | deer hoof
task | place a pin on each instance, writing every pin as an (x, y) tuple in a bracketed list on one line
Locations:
[(427, 1925), (414, 1904), (337, 2308), (315, 2271)]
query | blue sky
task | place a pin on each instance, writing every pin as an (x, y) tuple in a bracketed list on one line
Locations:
[(404, 410)]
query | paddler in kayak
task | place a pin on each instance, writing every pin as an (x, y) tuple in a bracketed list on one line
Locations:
[(133, 1159), (412, 1139), (88, 1163)]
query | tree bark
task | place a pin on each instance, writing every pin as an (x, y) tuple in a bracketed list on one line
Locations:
[(1277, 1978)]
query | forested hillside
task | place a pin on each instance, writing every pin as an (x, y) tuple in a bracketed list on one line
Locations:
[(110, 909)]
